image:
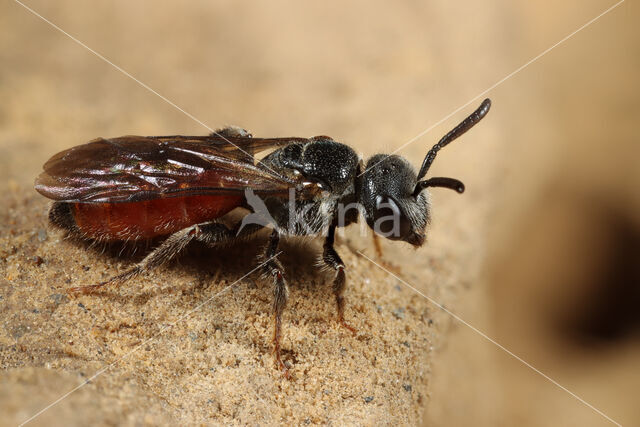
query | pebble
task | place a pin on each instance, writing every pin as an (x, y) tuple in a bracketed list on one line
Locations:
[(19, 330), (368, 399), (399, 313), (59, 298)]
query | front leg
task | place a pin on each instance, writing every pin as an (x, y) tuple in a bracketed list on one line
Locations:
[(280, 294), (332, 259)]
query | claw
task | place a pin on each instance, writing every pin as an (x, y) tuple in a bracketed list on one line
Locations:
[(115, 280), (285, 371), (276, 347), (343, 323), (85, 289), (350, 328), (283, 368)]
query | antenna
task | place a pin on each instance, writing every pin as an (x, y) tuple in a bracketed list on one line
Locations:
[(450, 183), (456, 132)]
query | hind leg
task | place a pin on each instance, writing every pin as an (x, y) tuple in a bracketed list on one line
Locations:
[(232, 131), (211, 233)]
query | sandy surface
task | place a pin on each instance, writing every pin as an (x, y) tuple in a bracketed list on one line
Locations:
[(191, 342)]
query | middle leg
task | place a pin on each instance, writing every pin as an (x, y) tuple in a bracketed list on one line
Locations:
[(280, 293)]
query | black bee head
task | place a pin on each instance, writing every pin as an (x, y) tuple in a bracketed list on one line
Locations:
[(391, 193), (387, 196)]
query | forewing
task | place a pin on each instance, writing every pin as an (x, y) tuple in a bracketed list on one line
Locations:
[(237, 147), (133, 168)]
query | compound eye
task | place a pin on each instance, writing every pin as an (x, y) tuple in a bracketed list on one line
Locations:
[(389, 221), (383, 202)]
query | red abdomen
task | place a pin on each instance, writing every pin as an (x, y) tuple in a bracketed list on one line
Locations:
[(149, 218)]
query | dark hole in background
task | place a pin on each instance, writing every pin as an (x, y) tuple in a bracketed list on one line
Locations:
[(611, 311)]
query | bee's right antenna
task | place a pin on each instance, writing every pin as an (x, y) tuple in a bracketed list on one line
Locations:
[(464, 126), (450, 183)]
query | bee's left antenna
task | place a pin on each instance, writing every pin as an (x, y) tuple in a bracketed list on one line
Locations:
[(456, 132)]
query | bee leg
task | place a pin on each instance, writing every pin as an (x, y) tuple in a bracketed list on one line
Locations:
[(60, 216), (377, 245), (280, 295), (231, 132), (379, 253), (173, 245), (210, 233), (215, 233), (333, 260)]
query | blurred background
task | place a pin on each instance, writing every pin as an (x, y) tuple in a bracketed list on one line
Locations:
[(545, 243)]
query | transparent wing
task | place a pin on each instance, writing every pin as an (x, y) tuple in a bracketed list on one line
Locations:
[(133, 168)]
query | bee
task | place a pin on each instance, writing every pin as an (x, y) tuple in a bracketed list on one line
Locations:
[(135, 188)]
